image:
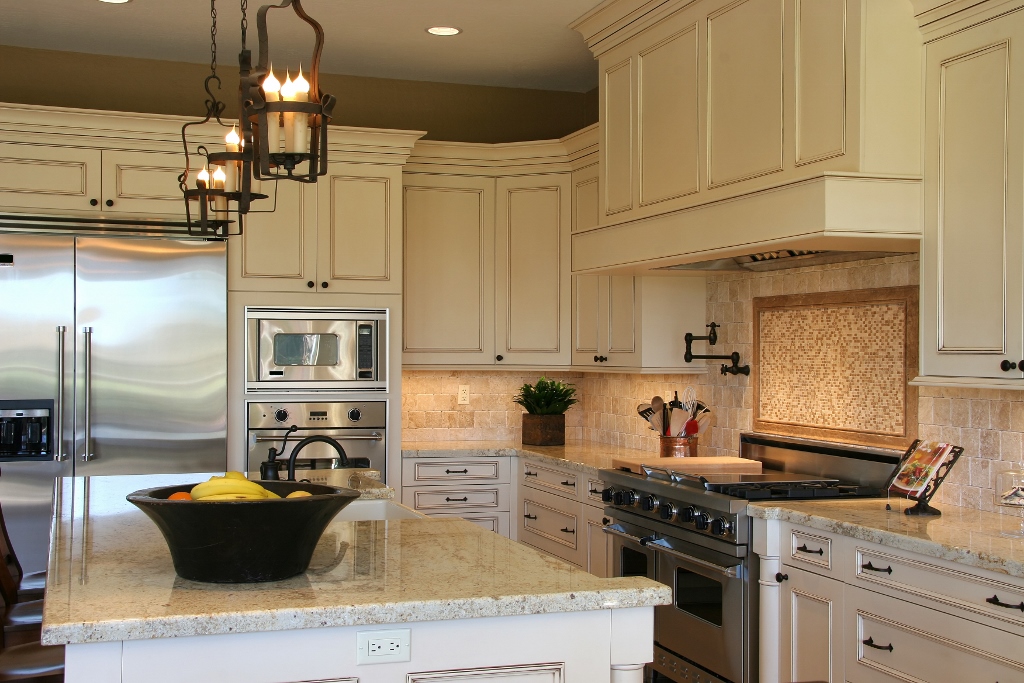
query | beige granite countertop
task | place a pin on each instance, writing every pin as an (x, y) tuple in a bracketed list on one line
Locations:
[(580, 455), (963, 535), (111, 578)]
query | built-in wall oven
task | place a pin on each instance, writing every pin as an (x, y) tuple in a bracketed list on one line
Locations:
[(316, 349)]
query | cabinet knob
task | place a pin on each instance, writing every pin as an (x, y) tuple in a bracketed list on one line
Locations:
[(780, 577), (323, 285), (1007, 365), (94, 202), (311, 284), (109, 202), (499, 358), (600, 359)]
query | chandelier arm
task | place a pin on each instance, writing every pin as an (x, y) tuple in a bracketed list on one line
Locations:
[(318, 30)]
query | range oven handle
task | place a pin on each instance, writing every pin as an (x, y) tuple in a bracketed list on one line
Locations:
[(651, 542), (376, 436)]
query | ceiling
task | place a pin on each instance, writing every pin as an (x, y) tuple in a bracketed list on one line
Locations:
[(510, 43)]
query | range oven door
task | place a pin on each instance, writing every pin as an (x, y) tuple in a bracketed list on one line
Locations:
[(705, 622)]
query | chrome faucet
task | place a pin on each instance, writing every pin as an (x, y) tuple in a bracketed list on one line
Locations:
[(316, 438)]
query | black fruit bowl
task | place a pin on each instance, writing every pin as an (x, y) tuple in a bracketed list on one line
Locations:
[(243, 541)]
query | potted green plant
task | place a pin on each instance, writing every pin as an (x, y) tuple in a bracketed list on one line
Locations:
[(545, 403)]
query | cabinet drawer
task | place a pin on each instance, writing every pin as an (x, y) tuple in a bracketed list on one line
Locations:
[(593, 492), (892, 640), (553, 524), (431, 498), (807, 549), (419, 471), (934, 585), (498, 522), (551, 479)]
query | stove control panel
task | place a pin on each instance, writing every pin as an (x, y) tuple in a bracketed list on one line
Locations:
[(674, 512)]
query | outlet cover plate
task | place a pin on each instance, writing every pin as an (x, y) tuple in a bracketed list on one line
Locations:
[(463, 394), (382, 647)]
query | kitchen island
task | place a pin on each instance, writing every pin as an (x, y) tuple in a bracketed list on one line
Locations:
[(470, 605)]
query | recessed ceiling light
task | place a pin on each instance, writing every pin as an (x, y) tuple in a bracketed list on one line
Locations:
[(444, 31), (116, 2)]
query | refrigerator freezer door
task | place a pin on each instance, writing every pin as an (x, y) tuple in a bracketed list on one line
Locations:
[(37, 295), (152, 356)]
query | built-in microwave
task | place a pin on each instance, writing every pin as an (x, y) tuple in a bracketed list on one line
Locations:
[(316, 349)]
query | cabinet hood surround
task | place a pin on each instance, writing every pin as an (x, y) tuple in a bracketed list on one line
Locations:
[(737, 127)]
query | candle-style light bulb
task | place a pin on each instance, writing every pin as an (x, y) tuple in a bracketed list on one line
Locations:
[(218, 178), (271, 86), (231, 140), (287, 88), (272, 91), (203, 178), (301, 86)]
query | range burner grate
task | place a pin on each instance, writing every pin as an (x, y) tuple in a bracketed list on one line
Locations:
[(804, 491)]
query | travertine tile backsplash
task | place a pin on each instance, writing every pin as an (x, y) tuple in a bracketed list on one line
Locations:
[(989, 424)]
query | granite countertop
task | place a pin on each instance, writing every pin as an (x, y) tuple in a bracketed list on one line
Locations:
[(582, 456), (110, 576), (969, 537)]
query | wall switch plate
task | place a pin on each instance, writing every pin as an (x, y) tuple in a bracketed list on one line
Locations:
[(381, 647), (463, 394)]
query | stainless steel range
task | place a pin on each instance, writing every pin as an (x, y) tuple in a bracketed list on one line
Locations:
[(691, 532)]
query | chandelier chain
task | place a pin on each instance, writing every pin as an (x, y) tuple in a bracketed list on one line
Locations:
[(213, 36), (245, 21)]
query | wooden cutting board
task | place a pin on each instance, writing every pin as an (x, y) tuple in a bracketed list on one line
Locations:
[(717, 463)]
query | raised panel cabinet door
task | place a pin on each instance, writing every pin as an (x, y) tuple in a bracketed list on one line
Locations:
[(532, 296), (820, 80), (586, 319), (744, 66), (358, 238), (143, 182), (277, 250), (597, 543), (972, 268), (618, 130), (49, 177), (448, 289), (669, 127), (620, 321), (812, 627), (586, 202)]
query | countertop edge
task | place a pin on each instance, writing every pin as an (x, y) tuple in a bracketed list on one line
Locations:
[(412, 611), (502, 452)]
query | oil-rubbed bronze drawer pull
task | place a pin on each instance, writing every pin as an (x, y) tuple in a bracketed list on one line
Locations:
[(805, 549), (994, 600), (569, 483), (529, 516), (567, 530), (870, 642), (457, 500), (872, 568), (528, 473), (456, 471)]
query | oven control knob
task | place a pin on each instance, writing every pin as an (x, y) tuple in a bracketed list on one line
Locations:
[(721, 527), (607, 495), (625, 498), (355, 415), (687, 514), (667, 511), (280, 414), (701, 521), (648, 503)]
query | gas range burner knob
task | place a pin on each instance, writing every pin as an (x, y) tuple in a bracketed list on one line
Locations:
[(607, 495), (687, 514), (648, 503), (721, 527), (625, 498), (667, 511), (701, 521), (281, 415)]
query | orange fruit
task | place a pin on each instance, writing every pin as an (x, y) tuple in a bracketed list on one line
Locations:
[(180, 495)]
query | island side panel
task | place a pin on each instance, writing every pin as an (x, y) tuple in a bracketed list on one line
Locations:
[(93, 663)]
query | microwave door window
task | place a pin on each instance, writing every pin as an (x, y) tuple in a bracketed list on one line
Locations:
[(305, 349)]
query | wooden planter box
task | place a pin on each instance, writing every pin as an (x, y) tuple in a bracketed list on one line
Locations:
[(543, 430)]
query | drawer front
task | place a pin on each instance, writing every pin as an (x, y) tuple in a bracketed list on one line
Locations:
[(998, 602), (423, 471), (554, 524), (593, 492), (551, 479), (437, 498), (498, 522), (892, 640), (807, 549)]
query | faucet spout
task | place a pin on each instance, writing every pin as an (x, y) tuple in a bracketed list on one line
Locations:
[(316, 438)]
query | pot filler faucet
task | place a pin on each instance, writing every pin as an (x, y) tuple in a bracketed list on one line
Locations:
[(268, 469)]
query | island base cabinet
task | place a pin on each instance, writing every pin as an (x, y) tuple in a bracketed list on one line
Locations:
[(811, 641), (603, 646)]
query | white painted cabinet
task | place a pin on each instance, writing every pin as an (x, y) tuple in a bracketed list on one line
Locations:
[(972, 259), (811, 634), (475, 489)]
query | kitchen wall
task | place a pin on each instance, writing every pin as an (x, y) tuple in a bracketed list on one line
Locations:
[(453, 112)]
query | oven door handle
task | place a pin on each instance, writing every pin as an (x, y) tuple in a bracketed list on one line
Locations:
[(731, 572), (629, 537), (376, 436)]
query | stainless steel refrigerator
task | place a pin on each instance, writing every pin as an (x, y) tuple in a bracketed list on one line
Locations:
[(113, 360)]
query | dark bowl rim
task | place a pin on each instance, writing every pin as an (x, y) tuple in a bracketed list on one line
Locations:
[(143, 495)]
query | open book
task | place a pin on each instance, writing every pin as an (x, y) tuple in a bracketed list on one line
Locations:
[(918, 468)]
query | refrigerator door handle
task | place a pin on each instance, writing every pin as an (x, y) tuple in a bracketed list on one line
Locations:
[(58, 451), (87, 390)]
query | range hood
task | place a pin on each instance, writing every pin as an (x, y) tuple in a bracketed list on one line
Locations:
[(776, 260)]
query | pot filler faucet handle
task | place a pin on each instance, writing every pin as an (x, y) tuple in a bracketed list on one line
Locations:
[(316, 438), (268, 468)]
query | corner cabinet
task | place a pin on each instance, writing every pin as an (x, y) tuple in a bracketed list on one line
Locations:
[(343, 234), (972, 257)]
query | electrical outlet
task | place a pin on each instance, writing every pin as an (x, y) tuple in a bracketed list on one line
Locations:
[(381, 647), (463, 394)]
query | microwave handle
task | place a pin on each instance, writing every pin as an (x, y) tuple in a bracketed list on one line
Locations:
[(376, 436), (650, 542)]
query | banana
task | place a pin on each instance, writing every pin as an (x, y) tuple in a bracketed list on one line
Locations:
[(231, 496), (235, 475), (298, 494), (227, 486)]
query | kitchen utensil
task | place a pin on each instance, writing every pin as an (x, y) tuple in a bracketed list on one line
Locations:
[(658, 404), (645, 411), (703, 422), (691, 427), (678, 422), (675, 403), (689, 398), (656, 422)]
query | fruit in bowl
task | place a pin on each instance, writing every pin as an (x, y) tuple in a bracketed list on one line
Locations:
[(231, 530)]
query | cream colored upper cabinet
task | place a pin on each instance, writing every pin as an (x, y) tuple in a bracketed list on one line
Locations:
[(277, 250), (449, 270), (531, 266), (359, 238), (972, 269), (49, 177), (143, 182)]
